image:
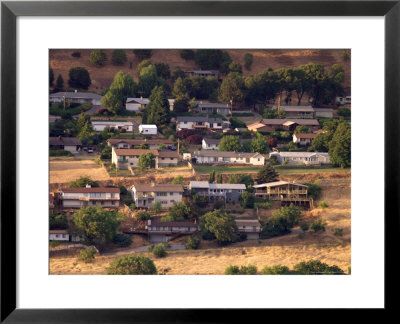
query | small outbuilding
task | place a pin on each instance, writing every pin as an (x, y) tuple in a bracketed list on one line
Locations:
[(148, 129)]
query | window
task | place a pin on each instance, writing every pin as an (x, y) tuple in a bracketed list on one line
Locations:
[(113, 203), (171, 193), (171, 159), (164, 202)]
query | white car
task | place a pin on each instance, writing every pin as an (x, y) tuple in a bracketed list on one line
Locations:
[(90, 149)]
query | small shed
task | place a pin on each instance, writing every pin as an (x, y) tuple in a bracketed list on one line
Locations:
[(148, 129)]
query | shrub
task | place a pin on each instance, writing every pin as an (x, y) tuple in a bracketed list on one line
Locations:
[(76, 54), (82, 182), (127, 200), (193, 242), (122, 240), (58, 221), (60, 153), (178, 180), (301, 235), (275, 270), (338, 231), (314, 190), (156, 207), (132, 206), (318, 225), (87, 255), (97, 57), (142, 54), (246, 200), (130, 265), (248, 60), (142, 216), (118, 57), (314, 267), (323, 204), (305, 226), (236, 123), (344, 112), (54, 244), (219, 204), (79, 78), (263, 204), (159, 250), (194, 139), (187, 54), (232, 270)]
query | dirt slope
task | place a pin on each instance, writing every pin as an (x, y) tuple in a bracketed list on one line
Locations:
[(61, 61)]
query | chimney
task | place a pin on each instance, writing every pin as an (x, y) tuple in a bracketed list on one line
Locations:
[(149, 222), (76, 91), (88, 186), (141, 97)]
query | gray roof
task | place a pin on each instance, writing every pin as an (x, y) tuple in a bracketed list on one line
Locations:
[(76, 95), (211, 141), (203, 71), (210, 153), (306, 122), (144, 101), (212, 104), (198, 119), (206, 185), (64, 141), (299, 154), (296, 108)]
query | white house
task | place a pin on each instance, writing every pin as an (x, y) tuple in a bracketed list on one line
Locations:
[(84, 197), (148, 129), (343, 100), (138, 104), (129, 158), (304, 139), (193, 122), (76, 97), (145, 196), (210, 144), (152, 144), (250, 227), (212, 157), (71, 144), (307, 158), (63, 235), (100, 125), (225, 191)]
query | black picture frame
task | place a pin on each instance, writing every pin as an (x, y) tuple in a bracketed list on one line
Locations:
[(9, 13)]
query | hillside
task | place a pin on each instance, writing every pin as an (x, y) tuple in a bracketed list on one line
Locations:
[(61, 61)]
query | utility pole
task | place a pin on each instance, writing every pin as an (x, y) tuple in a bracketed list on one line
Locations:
[(231, 106), (65, 95), (279, 106)]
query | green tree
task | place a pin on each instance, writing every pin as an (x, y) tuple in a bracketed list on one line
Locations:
[(82, 182), (142, 216), (212, 177), (315, 267), (248, 60), (60, 82), (187, 54), (178, 180), (159, 250), (95, 223), (118, 57), (58, 221), (340, 146), (146, 161), (276, 270), (267, 174), (232, 88), (291, 213), (98, 57), (314, 190), (302, 129), (233, 178), (219, 225), (259, 145), (163, 70), (246, 199), (180, 89), (148, 80), (157, 110), (122, 240), (318, 225), (230, 143), (344, 112), (181, 105), (193, 242), (132, 265), (219, 178), (178, 212), (79, 78), (87, 255), (178, 73), (51, 76), (120, 89), (142, 54), (209, 59), (235, 67)]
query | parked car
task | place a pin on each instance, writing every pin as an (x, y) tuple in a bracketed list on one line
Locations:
[(90, 149), (172, 147), (84, 148)]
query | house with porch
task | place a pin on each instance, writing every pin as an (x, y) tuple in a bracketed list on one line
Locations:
[(160, 232), (152, 144), (213, 108), (306, 158), (90, 197), (225, 191), (212, 157), (76, 97), (270, 125), (194, 122), (250, 227), (129, 158), (145, 196)]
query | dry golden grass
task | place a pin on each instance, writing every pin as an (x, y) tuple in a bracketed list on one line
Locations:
[(286, 250), (64, 170)]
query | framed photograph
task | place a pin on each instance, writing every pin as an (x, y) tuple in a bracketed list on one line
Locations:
[(197, 155)]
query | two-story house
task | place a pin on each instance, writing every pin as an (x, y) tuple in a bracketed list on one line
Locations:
[(129, 158), (71, 144), (250, 227), (213, 108), (90, 196), (152, 144), (165, 231), (145, 196), (304, 139), (210, 144), (226, 191), (193, 122)]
